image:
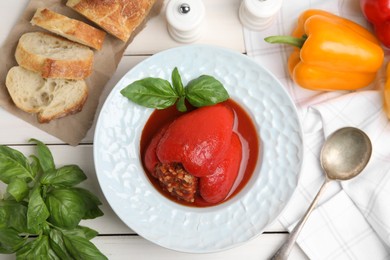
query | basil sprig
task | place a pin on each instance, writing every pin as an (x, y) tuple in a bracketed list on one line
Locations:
[(41, 209), (159, 93)]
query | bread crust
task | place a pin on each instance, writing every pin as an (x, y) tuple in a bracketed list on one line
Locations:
[(71, 29), (48, 67), (118, 17)]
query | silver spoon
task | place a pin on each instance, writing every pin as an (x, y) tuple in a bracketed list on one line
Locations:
[(344, 155)]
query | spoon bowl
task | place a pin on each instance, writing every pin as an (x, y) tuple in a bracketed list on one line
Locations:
[(344, 155)]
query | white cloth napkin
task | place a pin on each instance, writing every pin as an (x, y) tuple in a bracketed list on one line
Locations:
[(352, 220)]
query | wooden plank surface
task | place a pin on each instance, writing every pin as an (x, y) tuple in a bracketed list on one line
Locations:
[(137, 248), (221, 27), (116, 240)]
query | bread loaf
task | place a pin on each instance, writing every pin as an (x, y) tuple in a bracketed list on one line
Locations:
[(118, 17), (48, 98), (66, 27), (53, 56)]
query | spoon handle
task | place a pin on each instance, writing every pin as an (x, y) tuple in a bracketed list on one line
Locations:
[(285, 249)]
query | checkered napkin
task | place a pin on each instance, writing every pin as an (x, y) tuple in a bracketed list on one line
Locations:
[(352, 220)]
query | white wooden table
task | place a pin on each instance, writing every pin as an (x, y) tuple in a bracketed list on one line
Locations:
[(116, 240)]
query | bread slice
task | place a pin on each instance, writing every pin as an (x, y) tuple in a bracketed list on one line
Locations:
[(68, 28), (119, 18), (53, 56), (48, 98)]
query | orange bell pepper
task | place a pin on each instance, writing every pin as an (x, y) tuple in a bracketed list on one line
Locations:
[(331, 52)]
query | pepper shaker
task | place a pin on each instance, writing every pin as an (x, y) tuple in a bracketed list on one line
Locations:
[(185, 19), (258, 15)]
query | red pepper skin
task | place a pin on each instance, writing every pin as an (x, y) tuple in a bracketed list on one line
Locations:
[(198, 139), (377, 12), (215, 187), (150, 158)]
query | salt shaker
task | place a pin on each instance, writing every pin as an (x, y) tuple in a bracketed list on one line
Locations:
[(185, 19), (258, 15)]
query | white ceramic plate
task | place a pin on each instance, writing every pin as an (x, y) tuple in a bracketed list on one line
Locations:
[(188, 229)]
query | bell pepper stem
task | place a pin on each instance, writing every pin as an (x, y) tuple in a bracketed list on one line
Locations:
[(294, 41)]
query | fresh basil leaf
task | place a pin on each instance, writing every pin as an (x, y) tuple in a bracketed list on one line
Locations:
[(37, 212), (44, 190), (46, 227), (66, 207), (90, 198), (151, 92), (26, 251), (67, 176), (13, 215), (177, 83), (10, 241), (205, 91), (81, 248), (18, 188), (91, 203), (56, 242), (3, 215), (44, 155), (4, 250), (81, 231), (38, 248), (52, 255), (93, 212), (13, 164), (35, 166)]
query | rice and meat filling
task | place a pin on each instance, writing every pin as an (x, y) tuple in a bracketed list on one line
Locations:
[(176, 180)]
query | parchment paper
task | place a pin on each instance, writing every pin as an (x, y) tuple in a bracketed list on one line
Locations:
[(70, 129)]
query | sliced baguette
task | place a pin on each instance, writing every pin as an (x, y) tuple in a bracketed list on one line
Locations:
[(48, 98), (53, 56), (119, 18), (68, 28)]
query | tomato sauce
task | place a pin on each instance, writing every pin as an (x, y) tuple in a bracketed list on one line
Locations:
[(243, 126)]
